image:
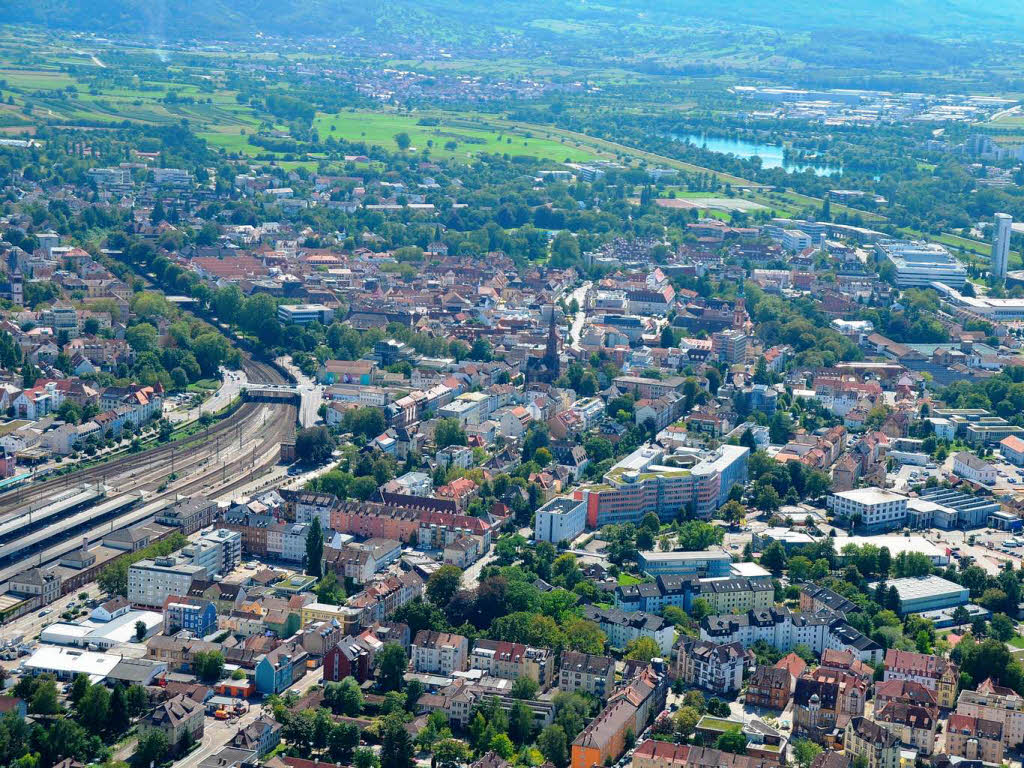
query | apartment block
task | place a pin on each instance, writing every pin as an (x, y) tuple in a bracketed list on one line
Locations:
[(513, 660), (583, 672), (933, 672), (974, 738), (998, 704), (714, 667), (439, 652), (151, 582)]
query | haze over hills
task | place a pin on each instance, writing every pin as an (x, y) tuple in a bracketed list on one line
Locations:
[(175, 19)]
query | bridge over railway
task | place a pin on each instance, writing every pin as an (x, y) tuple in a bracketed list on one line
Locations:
[(305, 398)]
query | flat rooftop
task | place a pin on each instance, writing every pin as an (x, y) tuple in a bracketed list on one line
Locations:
[(915, 588), (870, 495), (654, 557), (895, 545)]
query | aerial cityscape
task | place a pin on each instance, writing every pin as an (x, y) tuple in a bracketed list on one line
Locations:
[(511, 385)]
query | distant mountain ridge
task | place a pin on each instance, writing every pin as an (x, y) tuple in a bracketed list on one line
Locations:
[(239, 19)]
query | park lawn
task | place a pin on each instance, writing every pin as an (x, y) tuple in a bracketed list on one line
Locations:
[(626, 580), (204, 385), (379, 129), (1017, 641)]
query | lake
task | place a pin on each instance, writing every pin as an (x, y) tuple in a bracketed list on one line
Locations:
[(772, 155)]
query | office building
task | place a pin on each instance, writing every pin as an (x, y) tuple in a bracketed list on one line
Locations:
[(1001, 245), (918, 264), (872, 510), (729, 346), (795, 240), (175, 177), (651, 480), (560, 520), (708, 564), (304, 314)]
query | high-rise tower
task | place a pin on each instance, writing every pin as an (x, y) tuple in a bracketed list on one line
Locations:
[(1001, 245)]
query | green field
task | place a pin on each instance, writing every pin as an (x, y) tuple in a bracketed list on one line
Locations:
[(36, 79), (626, 580), (379, 129)]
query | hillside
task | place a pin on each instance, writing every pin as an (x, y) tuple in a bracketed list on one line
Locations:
[(176, 19)]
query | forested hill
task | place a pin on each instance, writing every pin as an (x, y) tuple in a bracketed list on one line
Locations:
[(240, 19)]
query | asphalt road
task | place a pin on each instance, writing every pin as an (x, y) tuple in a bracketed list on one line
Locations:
[(311, 393), (231, 386), (217, 733), (580, 294)]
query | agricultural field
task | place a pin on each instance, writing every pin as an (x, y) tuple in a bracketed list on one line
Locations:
[(453, 136)]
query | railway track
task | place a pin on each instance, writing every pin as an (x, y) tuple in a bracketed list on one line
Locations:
[(126, 472)]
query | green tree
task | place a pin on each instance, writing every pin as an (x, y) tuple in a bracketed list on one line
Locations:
[(520, 723), (451, 753), (94, 709), (208, 665), (804, 751), (44, 699), (642, 649), (364, 757), (553, 744), (137, 700), (79, 687), (1002, 627), (346, 697), (142, 338), (524, 688), (774, 558), (151, 749), (685, 721), (448, 432), (396, 748), (314, 445), (404, 142), (443, 584), (315, 548), (733, 741), (343, 740), (120, 714), (700, 608), (390, 662), (502, 746), (584, 636)]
